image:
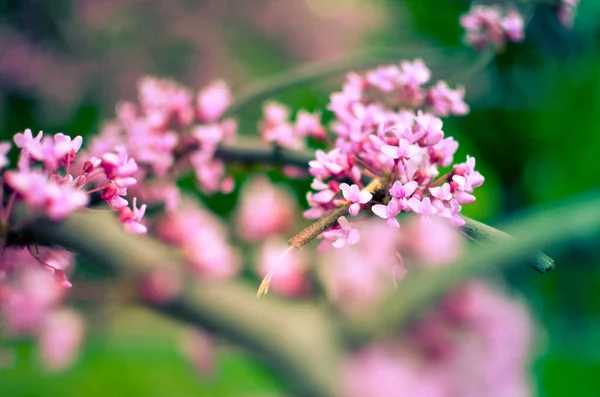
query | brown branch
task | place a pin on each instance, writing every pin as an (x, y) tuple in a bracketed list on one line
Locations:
[(298, 340)]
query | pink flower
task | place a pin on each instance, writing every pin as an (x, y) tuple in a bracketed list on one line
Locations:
[(378, 372), (388, 212), (213, 100), (131, 218), (513, 26), (346, 235), (200, 349), (203, 239), (53, 151), (119, 168), (40, 193), (22, 140), (354, 195), (4, 149), (287, 269), (60, 339), (276, 128), (403, 192), (446, 101), (29, 302), (433, 241), (264, 210), (308, 124), (492, 25), (422, 207)]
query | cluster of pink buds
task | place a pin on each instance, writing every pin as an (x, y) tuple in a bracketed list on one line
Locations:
[(169, 131), (486, 25), (276, 127), (388, 128), (46, 182)]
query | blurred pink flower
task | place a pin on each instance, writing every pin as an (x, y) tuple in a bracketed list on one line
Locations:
[(357, 276), (4, 149), (477, 342), (59, 340), (213, 100), (28, 301), (199, 348), (203, 240), (264, 210), (287, 269), (432, 241)]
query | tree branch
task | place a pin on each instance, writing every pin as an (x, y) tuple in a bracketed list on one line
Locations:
[(298, 340)]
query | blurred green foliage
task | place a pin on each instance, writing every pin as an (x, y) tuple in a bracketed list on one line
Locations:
[(534, 129)]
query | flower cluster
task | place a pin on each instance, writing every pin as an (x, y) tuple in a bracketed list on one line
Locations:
[(476, 343), (49, 181), (169, 131), (388, 128), (485, 25), (276, 127)]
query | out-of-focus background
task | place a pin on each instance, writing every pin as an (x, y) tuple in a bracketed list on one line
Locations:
[(534, 128)]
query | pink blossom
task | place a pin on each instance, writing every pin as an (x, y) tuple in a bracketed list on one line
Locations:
[(422, 207), (377, 372), (30, 300), (264, 210), (53, 151), (513, 25), (203, 239), (445, 101), (389, 212), (164, 100), (403, 192), (354, 195), (345, 235), (131, 218), (119, 168), (59, 340), (565, 12), (357, 276), (4, 149), (287, 269), (213, 100), (486, 25), (308, 124), (22, 140), (200, 350), (433, 241), (42, 194)]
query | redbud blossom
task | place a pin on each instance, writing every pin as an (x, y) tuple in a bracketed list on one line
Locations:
[(388, 127), (287, 269), (265, 210), (354, 195), (213, 100), (203, 239), (485, 25), (476, 343), (4, 149), (59, 339)]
